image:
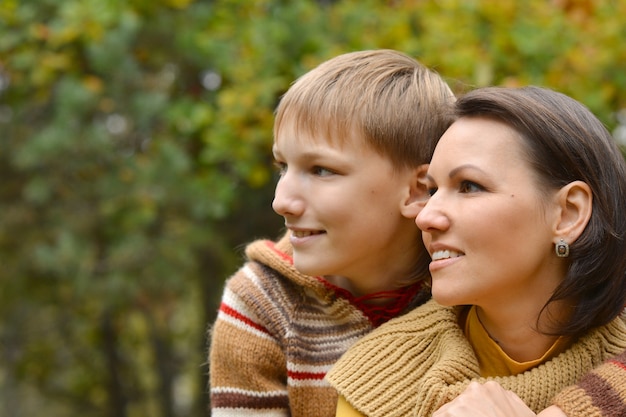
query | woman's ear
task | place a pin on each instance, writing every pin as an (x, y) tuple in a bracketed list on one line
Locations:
[(417, 195), (575, 206)]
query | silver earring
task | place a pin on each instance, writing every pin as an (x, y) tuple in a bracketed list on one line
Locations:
[(562, 249)]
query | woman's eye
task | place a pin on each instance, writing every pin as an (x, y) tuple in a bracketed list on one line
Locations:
[(432, 191), (470, 187)]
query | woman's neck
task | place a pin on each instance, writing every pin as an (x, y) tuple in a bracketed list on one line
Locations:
[(517, 333)]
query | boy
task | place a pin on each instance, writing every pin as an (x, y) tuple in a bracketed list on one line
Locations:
[(352, 139)]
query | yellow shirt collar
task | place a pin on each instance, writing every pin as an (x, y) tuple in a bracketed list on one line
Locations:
[(493, 361)]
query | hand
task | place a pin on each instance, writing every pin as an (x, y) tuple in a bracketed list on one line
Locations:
[(552, 411), (485, 400)]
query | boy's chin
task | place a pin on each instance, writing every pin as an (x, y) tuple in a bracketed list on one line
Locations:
[(305, 266)]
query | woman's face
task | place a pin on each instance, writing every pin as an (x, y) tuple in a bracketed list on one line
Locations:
[(488, 226)]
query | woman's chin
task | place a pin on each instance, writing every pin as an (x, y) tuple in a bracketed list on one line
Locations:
[(445, 299)]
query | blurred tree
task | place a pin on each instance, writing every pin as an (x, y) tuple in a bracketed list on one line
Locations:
[(135, 161)]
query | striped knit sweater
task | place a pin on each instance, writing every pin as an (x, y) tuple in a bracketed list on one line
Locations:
[(414, 364), (276, 335), (601, 393)]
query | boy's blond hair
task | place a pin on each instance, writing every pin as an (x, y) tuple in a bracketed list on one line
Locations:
[(399, 106)]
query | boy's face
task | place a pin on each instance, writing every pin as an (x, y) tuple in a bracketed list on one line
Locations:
[(343, 205)]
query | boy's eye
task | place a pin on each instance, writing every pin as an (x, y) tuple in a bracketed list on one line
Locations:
[(281, 167), (432, 191), (321, 171), (470, 187)]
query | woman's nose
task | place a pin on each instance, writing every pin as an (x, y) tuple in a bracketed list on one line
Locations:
[(288, 199), (433, 215)]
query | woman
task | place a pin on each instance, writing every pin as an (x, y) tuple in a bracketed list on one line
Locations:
[(525, 229)]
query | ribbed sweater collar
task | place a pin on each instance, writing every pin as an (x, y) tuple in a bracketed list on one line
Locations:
[(279, 256)]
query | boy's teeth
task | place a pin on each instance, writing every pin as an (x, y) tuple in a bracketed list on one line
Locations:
[(302, 234), (445, 254)]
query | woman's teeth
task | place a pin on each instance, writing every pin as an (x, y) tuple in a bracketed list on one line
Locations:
[(445, 254)]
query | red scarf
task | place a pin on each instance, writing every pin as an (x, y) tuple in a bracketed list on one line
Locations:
[(378, 314)]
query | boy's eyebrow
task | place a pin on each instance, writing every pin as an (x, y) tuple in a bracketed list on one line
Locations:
[(307, 156), (310, 155)]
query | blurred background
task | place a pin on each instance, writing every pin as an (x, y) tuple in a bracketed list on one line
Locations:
[(135, 163)]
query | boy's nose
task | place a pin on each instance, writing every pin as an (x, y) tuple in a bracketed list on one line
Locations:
[(287, 198)]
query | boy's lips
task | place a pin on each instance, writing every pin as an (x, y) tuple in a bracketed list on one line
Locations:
[(302, 232), (305, 233)]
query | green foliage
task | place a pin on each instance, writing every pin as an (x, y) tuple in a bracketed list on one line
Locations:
[(135, 150)]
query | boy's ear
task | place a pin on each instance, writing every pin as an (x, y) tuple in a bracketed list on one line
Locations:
[(574, 211), (417, 195)]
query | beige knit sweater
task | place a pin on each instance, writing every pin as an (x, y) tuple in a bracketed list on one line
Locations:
[(413, 364)]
